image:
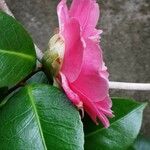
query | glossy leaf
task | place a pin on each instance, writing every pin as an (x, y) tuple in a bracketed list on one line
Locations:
[(3, 91), (17, 53), (123, 130), (40, 117), (141, 143), (39, 77), (4, 98)]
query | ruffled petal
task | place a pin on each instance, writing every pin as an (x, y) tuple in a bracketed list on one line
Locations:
[(105, 106), (73, 57), (92, 80), (87, 13), (83, 74), (96, 110)]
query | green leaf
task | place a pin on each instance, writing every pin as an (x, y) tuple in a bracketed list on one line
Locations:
[(123, 130), (4, 98), (17, 52), (3, 91), (39, 77), (141, 143), (40, 117)]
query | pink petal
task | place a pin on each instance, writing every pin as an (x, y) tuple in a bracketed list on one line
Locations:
[(63, 14), (71, 95), (105, 106), (92, 80), (73, 50), (87, 13), (104, 72), (83, 74), (95, 110)]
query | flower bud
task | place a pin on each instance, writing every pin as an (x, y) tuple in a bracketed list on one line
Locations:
[(53, 56)]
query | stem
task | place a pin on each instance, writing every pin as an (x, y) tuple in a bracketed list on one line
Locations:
[(112, 84), (129, 86)]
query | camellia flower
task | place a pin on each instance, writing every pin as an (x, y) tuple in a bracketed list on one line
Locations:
[(76, 60)]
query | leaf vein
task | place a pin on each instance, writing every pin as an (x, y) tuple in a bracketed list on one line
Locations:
[(17, 54), (36, 115)]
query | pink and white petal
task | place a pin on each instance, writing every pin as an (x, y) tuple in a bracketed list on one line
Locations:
[(70, 94), (90, 82), (73, 56), (63, 14), (84, 10)]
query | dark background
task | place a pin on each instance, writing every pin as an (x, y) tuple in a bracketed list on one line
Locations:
[(125, 40)]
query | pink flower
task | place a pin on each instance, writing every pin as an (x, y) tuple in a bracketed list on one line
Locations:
[(82, 74)]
